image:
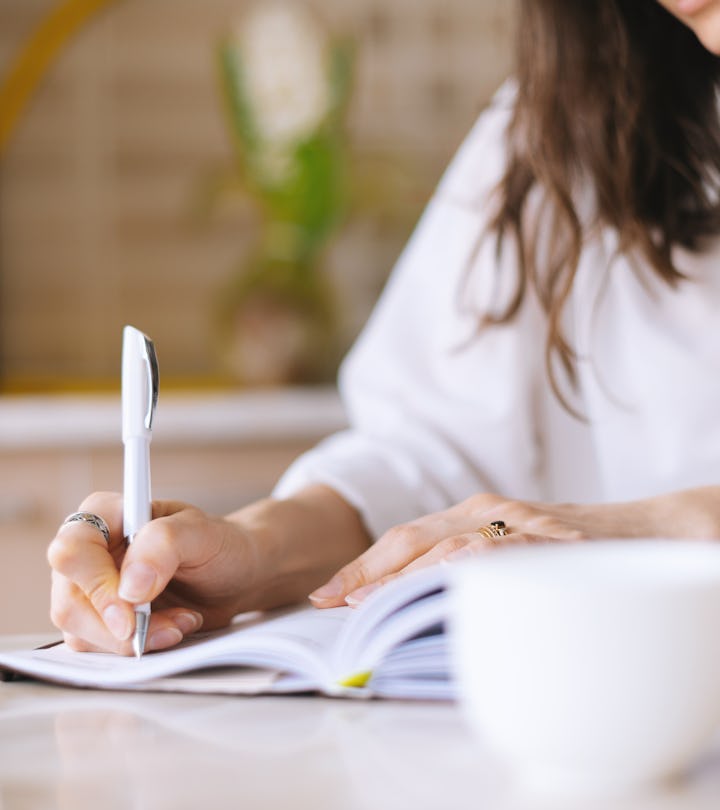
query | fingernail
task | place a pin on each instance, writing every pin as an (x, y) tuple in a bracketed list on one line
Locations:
[(331, 590), (136, 582), (359, 594), (167, 637), (117, 622), (188, 622)]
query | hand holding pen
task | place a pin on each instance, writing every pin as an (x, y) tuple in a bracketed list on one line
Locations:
[(121, 552), (104, 575)]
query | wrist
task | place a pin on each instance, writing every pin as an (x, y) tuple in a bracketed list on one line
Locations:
[(296, 544), (692, 514)]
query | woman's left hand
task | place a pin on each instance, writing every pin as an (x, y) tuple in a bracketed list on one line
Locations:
[(454, 533)]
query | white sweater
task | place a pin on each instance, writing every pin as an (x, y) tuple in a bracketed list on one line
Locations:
[(437, 415)]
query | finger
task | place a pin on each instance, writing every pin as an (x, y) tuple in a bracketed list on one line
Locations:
[(440, 551), (161, 636), (86, 602), (481, 545), (184, 540), (76, 616), (109, 505), (569, 536), (80, 645), (403, 544), (86, 632), (454, 547), (392, 552), (169, 627), (451, 549), (79, 554)]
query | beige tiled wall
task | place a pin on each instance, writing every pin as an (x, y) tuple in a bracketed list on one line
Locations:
[(100, 183)]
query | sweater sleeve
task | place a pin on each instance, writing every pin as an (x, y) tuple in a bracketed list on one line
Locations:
[(437, 410)]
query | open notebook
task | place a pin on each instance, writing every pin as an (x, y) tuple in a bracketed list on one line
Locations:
[(394, 645)]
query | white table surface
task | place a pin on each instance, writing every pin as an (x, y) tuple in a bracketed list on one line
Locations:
[(76, 749)]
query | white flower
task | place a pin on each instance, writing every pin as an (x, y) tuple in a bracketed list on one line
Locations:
[(284, 62)]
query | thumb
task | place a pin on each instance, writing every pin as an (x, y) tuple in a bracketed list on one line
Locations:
[(160, 548)]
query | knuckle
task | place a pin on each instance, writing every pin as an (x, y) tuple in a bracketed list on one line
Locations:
[(360, 572), (98, 592), (515, 507), (391, 535), (407, 534), (481, 501), (544, 524), (163, 535), (61, 552), (450, 544), (61, 614), (159, 538), (76, 644), (549, 526)]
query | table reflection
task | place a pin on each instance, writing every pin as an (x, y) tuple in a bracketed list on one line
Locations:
[(73, 749)]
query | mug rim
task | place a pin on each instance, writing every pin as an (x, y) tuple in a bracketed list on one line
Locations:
[(636, 562)]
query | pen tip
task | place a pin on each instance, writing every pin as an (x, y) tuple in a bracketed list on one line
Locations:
[(141, 628)]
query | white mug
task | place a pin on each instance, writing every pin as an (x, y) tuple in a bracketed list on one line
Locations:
[(590, 666)]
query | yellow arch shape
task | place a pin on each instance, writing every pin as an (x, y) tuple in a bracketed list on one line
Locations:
[(31, 64)]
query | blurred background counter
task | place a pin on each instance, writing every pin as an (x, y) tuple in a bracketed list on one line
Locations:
[(174, 156), (218, 451)]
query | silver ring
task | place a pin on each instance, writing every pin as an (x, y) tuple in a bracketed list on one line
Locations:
[(92, 520)]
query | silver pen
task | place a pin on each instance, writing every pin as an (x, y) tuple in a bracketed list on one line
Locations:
[(140, 381)]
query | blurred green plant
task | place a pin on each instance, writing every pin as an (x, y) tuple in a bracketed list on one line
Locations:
[(286, 85)]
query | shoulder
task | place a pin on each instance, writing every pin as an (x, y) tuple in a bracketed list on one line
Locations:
[(479, 163)]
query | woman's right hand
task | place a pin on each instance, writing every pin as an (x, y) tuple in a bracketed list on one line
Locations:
[(196, 570), (192, 567)]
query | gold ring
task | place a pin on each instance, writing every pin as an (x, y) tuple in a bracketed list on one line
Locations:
[(493, 530)]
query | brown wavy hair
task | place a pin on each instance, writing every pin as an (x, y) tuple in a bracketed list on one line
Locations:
[(623, 95)]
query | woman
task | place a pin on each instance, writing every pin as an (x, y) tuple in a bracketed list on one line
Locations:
[(550, 334)]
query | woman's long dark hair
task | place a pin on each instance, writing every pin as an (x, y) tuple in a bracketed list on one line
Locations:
[(621, 95)]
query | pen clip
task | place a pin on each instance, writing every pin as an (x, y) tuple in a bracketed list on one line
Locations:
[(140, 383), (154, 381)]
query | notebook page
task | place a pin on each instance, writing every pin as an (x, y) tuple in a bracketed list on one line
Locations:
[(399, 595), (425, 615), (296, 640)]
